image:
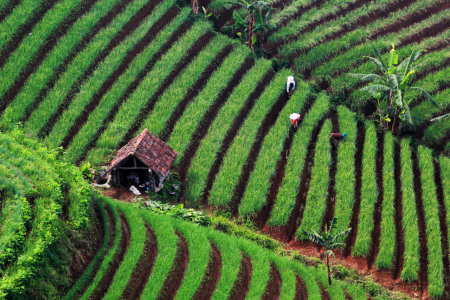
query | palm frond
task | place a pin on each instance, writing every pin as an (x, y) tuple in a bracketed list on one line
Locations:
[(314, 237), (440, 118), (380, 59), (340, 235), (329, 253), (407, 112), (427, 95), (336, 245), (365, 77), (377, 62), (373, 89)]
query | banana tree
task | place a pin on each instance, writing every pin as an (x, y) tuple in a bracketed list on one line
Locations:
[(254, 21), (328, 240), (393, 82)]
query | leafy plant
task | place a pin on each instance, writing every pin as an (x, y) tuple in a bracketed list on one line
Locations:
[(177, 211)]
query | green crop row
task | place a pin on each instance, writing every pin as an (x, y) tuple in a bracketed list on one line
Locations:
[(17, 17), (445, 176), (194, 112), (102, 73), (255, 196), (39, 79), (426, 109), (98, 117), (32, 43), (345, 176), (387, 239), (203, 160), (369, 193), (286, 198), (78, 66), (236, 156), (431, 207), (410, 223), (316, 201), (130, 109)]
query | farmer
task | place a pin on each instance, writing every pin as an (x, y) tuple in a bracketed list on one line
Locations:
[(335, 137), (295, 118), (290, 85)]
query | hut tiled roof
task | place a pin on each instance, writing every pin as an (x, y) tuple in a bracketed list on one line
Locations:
[(150, 150)]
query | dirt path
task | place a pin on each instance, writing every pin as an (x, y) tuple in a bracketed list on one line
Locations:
[(107, 279), (398, 214), (176, 274), (127, 60), (126, 30), (378, 207), (275, 182), (180, 31), (211, 277), (102, 23), (273, 288), (23, 30), (359, 144), (193, 91), (143, 268), (205, 123), (332, 170), (232, 132), (184, 62), (242, 283), (443, 225), (423, 239), (301, 293), (267, 123)]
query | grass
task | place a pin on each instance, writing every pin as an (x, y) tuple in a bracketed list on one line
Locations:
[(285, 201), (445, 175)]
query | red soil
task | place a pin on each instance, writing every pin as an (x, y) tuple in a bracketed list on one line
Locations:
[(47, 45), (242, 283), (189, 56), (85, 40), (193, 91), (267, 123), (324, 292), (359, 143), (143, 268), (212, 276), (301, 293), (107, 279), (205, 123), (127, 60), (398, 214), (176, 274), (180, 31), (126, 30), (273, 288)]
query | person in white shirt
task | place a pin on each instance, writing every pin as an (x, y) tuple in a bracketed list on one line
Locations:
[(290, 85)]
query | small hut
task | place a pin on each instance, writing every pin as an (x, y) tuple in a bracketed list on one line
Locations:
[(144, 162)]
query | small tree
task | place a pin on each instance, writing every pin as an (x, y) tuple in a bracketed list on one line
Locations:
[(328, 240), (392, 84)]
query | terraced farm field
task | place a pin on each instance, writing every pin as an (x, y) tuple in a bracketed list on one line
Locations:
[(90, 75)]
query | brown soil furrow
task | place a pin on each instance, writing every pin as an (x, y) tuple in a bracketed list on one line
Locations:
[(8, 9), (296, 216), (112, 234), (332, 170), (281, 4), (127, 60), (378, 208), (193, 91), (208, 118), (324, 292), (47, 45), (24, 30), (212, 276), (232, 132), (347, 296), (180, 31), (102, 23), (275, 181), (301, 293), (114, 265), (269, 120), (273, 288), (143, 268), (359, 144), (126, 30), (191, 53), (409, 20), (242, 283), (423, 239), (398, 214), (176, 274), (443, 142), (443, 225)]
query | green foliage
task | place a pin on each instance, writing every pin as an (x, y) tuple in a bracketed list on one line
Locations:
[(177, 211)]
